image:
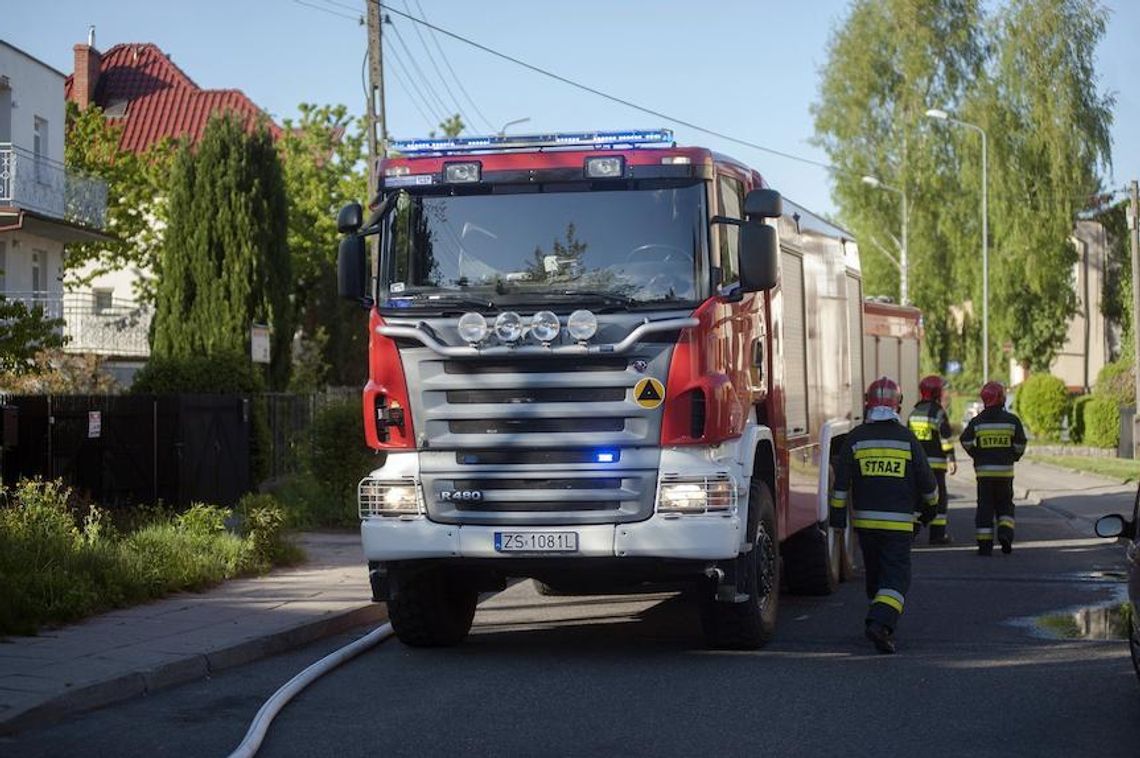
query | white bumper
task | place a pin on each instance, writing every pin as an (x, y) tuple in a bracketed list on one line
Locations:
[(697, 537)]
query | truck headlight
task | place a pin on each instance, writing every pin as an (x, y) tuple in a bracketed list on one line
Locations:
[(399, 498), (706, 494)]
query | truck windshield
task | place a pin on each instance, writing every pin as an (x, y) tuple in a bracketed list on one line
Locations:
[(632, 246)]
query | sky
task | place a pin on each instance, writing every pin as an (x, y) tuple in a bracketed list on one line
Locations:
[(746, 68)]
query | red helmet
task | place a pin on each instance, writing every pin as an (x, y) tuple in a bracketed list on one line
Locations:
[(883, 392), (930, 388), (993, 395)]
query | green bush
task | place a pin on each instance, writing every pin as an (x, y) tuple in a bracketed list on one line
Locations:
[(53, 571), (1115, 381), (1101, 422), (1042, 401), (1077, 428), (333, 463)]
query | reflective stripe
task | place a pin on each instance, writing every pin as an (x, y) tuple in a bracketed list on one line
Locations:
[(985, 534), (931, 497), (882, 452), (836, 502), (947, 446), (891, 598), (993, 474), (943, 466), (936, 459), (890, 526), (1005, 521), (895, 444), (884, 515), (995, 427), (939, 521), (994, 470)]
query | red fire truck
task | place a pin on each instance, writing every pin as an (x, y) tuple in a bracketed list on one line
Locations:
[(601, 361)]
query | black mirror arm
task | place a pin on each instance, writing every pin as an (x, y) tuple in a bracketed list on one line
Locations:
[(373, 225), (726, 220)]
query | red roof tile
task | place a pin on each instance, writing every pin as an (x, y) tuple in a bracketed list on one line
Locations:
[(160, 100)]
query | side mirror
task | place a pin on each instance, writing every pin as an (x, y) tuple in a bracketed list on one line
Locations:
[(758, 248), (350, 218), (1113, 526), (763, 203), (352, 268)]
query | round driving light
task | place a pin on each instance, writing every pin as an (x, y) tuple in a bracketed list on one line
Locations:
[(544, 326), (472, 327), (582, 325), (508, 327)]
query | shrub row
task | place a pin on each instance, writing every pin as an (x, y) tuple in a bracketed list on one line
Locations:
[(59, 565)]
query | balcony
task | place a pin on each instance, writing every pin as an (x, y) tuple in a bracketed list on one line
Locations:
[(37, 184), (95, 324)]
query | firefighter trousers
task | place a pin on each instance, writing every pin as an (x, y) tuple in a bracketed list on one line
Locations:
[(995, 500), (886, 558), (940, 523)]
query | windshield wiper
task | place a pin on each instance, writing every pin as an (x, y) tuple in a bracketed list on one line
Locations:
[(610, 298), (420, 299)]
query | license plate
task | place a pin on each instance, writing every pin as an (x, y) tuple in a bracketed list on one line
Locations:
[(536, 542)]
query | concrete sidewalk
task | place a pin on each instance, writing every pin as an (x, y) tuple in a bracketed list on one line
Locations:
[(130, 652)]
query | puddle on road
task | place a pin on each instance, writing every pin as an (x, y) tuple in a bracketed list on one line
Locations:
[(1101, 622)]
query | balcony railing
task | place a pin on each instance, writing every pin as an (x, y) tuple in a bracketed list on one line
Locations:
[(96, 324), (36, 183)]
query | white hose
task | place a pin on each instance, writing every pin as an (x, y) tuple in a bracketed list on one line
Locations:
[(260, 725)]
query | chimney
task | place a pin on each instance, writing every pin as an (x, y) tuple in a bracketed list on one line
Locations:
[(87, 60)]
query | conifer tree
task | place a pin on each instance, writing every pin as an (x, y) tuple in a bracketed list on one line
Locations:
[(225, 261)]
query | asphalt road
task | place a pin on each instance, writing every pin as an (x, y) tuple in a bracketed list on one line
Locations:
[(628, 676)]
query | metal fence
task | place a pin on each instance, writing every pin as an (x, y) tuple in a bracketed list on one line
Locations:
[(289, 418), (39, 184), (95, 323)]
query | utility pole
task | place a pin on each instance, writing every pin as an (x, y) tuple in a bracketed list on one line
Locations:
[(377, 141), (1134, 235)]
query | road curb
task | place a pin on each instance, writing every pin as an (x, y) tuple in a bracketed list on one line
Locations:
[(186, 669)]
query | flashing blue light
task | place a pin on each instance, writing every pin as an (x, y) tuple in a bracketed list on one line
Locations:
[(605, 456), (632, 138)]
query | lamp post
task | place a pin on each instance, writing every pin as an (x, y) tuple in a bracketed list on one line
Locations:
[(503, 131), (873, 181), (942, 115)]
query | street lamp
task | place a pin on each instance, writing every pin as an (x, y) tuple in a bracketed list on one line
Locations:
[(874, 181), (942, 115), (503, 131)]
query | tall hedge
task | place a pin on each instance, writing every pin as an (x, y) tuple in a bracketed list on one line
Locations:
[(1101, 422), (225, 262), (1042, 402)]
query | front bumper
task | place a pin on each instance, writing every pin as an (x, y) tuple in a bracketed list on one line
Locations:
[(694, 537)]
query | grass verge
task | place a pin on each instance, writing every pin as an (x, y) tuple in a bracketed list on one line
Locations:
[(1122, 469), (59, 564)]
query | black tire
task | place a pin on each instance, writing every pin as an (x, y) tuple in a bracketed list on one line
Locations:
[(749, 624), (431, 608), (1134, 646), (812, 564)]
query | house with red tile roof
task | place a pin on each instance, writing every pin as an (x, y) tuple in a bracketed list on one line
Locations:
[(138, 85), (140, 88)]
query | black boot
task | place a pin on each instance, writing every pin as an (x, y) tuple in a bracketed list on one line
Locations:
[(881, 637), (985, 548), (1006, 545)]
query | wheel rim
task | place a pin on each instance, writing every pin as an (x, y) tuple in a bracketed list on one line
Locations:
[(766, 566)]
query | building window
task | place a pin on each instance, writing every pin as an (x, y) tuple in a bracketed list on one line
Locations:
[(104, 299), (38, 257), (40, 148)]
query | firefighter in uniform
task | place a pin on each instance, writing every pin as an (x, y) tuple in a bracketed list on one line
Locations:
[(883, 479), (930, 425), (995, 440)]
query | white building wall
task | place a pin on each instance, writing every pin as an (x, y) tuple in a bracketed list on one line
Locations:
[(36, 90)]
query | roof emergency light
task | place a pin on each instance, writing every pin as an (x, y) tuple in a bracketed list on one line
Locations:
[(629, 138)]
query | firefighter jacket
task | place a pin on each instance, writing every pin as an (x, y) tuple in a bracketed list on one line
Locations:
[(995, 440), (929, 423), (882, 477)]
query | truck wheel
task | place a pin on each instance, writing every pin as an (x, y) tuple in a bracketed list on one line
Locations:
[(749, 624), (430, 608), (812, 561)]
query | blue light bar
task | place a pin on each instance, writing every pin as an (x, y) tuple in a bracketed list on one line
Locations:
[(452, 145)]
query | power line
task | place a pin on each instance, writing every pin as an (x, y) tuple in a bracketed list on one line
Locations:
[(442, 79), (423, 80), (323, 9), (606, 95), (458, 81), (399, 80), (409, 85)]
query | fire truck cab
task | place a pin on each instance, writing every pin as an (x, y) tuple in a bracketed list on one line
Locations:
[(601, 361)]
